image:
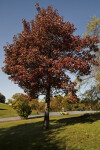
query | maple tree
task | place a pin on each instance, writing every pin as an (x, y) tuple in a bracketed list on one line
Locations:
[(39, 56)]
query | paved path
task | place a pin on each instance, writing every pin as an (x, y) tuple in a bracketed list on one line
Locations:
[(18, 118), (42, 114)]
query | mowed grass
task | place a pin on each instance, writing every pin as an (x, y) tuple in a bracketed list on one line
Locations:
[(7, 111), (78, 132)]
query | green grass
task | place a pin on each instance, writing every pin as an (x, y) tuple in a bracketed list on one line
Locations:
[(78, 132), (7, 111)]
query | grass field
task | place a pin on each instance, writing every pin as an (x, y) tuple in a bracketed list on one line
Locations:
[(7, 111), (79, 132)]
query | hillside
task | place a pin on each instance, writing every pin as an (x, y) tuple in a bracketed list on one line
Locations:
[(7, 111)]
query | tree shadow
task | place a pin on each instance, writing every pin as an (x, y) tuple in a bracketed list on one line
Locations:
[(31, 136), (85, 118), (3, 109)]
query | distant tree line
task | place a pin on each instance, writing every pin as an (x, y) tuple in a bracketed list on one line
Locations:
[(24, 105), (2, 98)]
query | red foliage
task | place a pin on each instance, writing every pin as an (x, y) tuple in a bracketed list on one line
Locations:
[(38, 57), (72, 99)]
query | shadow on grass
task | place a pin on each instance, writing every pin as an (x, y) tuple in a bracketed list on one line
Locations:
[(3, 109), (85, 118), (31, 136)]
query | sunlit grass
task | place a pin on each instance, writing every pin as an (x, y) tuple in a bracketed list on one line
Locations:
[(77, 132), (7, 111)]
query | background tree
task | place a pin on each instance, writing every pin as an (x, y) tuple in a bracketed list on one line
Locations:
[(10, 101), (92, 94), (2, 98), (56, 103), (93, 27), (90, 104), (93, 30), (53, 104), (21, 105), (42, 106), (98, 78), (39, 56), (34, 104)]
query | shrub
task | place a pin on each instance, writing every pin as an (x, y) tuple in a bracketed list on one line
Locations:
[(21, 105)]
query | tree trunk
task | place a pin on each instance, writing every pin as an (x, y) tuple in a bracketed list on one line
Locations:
[(47, 105)]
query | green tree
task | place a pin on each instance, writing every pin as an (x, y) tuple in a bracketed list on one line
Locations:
[(34, 104), (42, 105), (56, 103), (93, 30), (93, 27), (2, 98), (21, 105), (91, 94), (10, 101), (53, 104)]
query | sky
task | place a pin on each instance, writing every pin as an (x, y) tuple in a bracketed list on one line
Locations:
[(12, 12)]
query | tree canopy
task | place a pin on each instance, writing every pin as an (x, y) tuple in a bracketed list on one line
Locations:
[(93, 27), (92, 94), (93, 30)]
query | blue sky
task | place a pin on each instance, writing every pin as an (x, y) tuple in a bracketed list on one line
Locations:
[(12, 12)]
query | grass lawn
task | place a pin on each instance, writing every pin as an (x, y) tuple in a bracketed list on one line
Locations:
[(78, 132), (7, 111)]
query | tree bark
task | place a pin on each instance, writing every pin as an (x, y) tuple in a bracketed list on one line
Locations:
[(47, 105)]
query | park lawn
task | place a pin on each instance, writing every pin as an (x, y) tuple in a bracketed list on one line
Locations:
[(78, 132), (7, 111)]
